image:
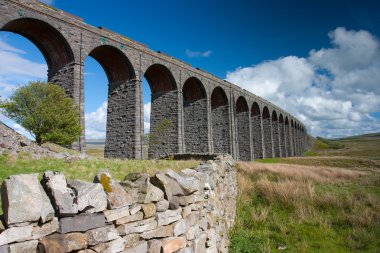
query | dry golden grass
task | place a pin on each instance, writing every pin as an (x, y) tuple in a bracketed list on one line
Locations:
[(301, 172)]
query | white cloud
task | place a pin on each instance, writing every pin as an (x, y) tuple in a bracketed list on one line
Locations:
[(96, 121), (333, 90), (198, 54)]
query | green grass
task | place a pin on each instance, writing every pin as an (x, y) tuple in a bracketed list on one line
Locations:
[(327, 202)]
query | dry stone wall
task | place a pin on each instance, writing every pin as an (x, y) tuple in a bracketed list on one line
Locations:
[(188, 211)]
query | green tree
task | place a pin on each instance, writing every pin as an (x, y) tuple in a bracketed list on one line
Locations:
[(45, 111)]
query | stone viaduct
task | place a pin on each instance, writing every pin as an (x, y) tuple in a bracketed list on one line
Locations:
[(207, 114)]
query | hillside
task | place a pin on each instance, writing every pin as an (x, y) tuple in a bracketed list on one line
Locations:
[(328, 202)]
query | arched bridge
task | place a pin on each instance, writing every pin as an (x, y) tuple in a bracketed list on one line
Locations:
[(206, 114)]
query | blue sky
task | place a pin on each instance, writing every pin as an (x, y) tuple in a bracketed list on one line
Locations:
[(320, 60)]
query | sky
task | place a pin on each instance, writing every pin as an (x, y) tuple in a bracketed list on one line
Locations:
[(319, 60)]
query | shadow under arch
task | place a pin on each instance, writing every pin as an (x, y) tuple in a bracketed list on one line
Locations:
[(267, 133), (257, 131), (195, 116), (164, 111), (122, 102), (243, 129), (220, 121), (52, 44)]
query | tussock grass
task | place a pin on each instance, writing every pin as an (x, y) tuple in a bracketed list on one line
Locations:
[(307, 208)]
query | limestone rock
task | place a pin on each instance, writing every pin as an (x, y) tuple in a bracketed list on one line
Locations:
[(169, 216), (135, 217), (169, 186), (23, 247), (154, 246), (160, 232), (188, 184), (16, 234), (137, 226), (147, 191), (149, 210), (140, 247), (200, 243), (131, 240), (186, 250), (81, 223), (212, 249), (45, 229), (134, 208), (101, 235), (117, 197), (162, 205), (57, 243), (60, 195), (86, 251), (193, 198), (115, 214), (114, 246), (174, 203), (4, 249), (181, 227), (173, 244), (24, 200), (91, 197)]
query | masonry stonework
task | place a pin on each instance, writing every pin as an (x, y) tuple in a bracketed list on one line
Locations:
[(66, 41)]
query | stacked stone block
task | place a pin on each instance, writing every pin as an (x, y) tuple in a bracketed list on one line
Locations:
[(188, 211)]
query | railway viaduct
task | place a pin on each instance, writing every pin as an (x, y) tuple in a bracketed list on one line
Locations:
[(206, 114)]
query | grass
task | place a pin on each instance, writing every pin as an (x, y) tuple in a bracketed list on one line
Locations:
[(322, 203)]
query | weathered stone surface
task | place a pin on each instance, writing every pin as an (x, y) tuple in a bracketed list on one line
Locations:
[(91, 197), (137, 226), (4, 249), (162, 205), (174, 203), (86, 251), (60, 195), (117, 197), (193, 198), (160, 232), (134, 208), (81, 223), (193, 232), (173, 244), (186, 250), (16, 234), (212, 249), (181, 227), (57, 243), (135, 217), (149, 210), (188, 184), (154, 246), (115, 214), (45, 229), (169, 186), (193, 217), (131, 240), (114, 246), (101, 235), (24, 200), (186, 210), (23, 247), (169, 216), (140, 247), (200, 243)]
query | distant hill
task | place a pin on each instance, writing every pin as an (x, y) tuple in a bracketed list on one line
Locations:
[(370, 135), (96, 141)]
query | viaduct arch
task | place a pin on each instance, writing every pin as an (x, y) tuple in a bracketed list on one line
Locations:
[(207, 114)]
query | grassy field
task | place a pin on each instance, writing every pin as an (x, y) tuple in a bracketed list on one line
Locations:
[(329, 202)]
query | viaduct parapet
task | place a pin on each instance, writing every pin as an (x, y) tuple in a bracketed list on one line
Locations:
[(206, 114)]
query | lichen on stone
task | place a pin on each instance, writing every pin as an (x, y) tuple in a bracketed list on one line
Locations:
[(105, 181)]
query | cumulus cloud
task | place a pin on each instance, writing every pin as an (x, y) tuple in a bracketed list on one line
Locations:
[(96, 121), (198, 54), (333, 90)]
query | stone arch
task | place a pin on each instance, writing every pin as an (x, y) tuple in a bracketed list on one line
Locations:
[(243, 130), (257, 131), (52, 44), (195, 116), (121, 131), (281, 127), (267, 131), (275, 134), (287, 137), (296, 139), (220, 121), (164, 111)]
